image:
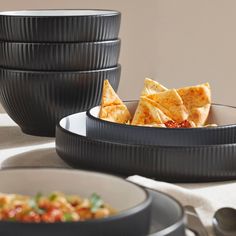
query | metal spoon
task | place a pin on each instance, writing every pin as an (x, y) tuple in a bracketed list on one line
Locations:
[(224, 222)]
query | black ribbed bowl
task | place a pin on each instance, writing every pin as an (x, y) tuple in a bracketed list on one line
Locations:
[(133, 203), (37, 100), (168, 163), (224, 133), (60, 56), (59, 25)]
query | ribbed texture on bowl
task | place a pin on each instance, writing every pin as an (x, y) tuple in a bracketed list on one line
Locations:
[(127, 134), (37, 100), (59, 56), (59, 28), (175, 164)]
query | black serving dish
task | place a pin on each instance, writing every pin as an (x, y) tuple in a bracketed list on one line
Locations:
[(59, 25), (133, 203), (60, 56), (36, 100), (222, 115), (200, 163)]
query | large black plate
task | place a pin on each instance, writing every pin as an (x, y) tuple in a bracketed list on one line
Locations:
[(169, 163), (167, 216)]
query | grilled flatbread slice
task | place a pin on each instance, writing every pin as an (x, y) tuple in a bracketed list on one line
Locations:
[(197, 100), (147, 113), (115, 113), (152, 87), (112, 107), (109, 96), (171, 104)]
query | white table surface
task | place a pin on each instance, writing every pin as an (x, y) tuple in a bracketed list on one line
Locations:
[(20, 150)]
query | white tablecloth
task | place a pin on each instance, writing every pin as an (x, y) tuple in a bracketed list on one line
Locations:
[(21, 150)]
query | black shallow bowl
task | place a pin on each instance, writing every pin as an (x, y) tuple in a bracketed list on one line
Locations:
[(224, 133), (36, 101), (60, 56), (168, 163), (59, 25), (132, 202)]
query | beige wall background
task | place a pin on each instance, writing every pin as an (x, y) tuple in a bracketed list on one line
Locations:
[(177, 42)]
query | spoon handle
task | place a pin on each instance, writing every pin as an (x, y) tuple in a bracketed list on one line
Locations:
[(193, 221)]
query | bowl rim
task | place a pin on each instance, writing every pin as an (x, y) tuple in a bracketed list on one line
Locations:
[(179, 147), (103, 12), (123, 214), (109, 41), (179, 222), (7, 70), (195, 129)]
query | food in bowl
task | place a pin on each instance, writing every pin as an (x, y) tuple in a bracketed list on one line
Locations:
[(158, 106), (56, 207)]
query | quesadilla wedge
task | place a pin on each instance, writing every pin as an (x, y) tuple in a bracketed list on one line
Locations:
[(152, 87), (147, 113), (171, 104), (112, 107), (197, 100)]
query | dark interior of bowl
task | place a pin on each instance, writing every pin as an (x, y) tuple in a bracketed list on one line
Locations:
[(222, 115)]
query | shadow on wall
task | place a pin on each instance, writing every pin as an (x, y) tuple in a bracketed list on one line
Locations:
[(37, 159)]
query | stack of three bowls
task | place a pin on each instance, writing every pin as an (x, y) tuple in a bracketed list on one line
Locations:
[(53, 63)]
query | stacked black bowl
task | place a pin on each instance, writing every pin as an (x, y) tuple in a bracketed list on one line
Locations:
[(53, 63)]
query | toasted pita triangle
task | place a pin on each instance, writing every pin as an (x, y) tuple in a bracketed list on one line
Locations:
[(171, 104), (197, 100), (152, 87), (147, 113), (116, 113), (112, 108), (109, 96)]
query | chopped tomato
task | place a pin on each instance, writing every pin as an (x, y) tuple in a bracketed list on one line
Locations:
[(174, 124)]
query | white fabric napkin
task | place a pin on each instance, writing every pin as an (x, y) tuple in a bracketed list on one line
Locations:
[(205, 200)]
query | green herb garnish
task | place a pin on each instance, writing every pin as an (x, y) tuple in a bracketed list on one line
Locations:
[(33, 203), (53, 197), (68, 217), (96, 202)]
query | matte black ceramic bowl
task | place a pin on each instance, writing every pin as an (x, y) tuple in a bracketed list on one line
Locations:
[(60, 56), (36, 101), (132, 202), (224, 133), (59, 25), (168, 163)]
